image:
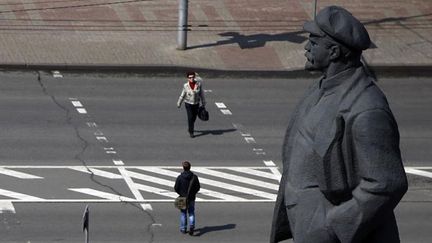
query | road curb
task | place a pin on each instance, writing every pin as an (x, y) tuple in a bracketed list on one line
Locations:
[(379, 71)]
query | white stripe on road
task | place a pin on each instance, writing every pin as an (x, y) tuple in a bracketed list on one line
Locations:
[(118, 162), (57, 74), (249, 140), (237, 178), (6, 206), (132, 186), (276, 172), (18, 195), (168, 183), (77, 103), (254, 172), (418, 172), (226, 112), (214, 183), (97, 172), (269, 163), (156, 190), (220, 105), (82, 110), (18, 174), (105, 195)]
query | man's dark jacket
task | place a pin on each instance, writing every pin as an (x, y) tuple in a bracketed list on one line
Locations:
[(182, 184), (357, 166)]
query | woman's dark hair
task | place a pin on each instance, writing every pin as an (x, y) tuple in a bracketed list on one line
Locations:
[(190, 74)]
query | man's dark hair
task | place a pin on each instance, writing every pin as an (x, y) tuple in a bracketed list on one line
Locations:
[(186, 165), (190, 74)]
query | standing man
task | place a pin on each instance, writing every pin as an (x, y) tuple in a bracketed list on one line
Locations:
[(192, 94), (342, 169), (187, 185)]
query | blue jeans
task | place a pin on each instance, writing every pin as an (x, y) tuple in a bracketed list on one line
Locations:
[(183, 216)]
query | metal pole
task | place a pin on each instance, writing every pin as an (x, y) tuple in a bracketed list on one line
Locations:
[(315, 8), (182, 25), (86, 223)]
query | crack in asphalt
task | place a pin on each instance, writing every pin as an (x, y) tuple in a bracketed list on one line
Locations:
[(84, 146)]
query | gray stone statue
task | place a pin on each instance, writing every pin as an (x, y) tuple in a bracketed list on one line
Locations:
[(342, 169)]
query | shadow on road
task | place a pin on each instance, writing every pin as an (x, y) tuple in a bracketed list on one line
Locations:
[(208, 229), (213, 132)]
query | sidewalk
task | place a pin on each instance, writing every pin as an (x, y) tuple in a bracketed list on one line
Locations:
[(227, 35)]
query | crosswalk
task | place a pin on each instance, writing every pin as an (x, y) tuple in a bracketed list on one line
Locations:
[(153, 183), (146, 184)]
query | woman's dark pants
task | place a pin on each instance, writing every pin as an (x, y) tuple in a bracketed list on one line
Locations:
[(192, 112)]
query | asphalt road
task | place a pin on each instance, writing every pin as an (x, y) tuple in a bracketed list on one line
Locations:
[(116, 144)]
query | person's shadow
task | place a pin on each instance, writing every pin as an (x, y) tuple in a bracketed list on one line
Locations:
[(213, 132), (207, 229)]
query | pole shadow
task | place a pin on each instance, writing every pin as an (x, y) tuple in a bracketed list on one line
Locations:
[(213, 132), (255, 40), (207, 229)]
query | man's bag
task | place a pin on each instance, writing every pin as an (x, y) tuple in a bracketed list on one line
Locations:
[(180, 203), (203, 114)]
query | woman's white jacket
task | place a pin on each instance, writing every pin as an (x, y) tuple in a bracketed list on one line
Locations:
[(192, 96)]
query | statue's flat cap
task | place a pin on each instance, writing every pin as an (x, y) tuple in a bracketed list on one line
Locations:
[(340, 25)]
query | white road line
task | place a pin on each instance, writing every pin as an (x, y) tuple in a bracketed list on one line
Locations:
[(82, 110), (156, 190), (126, 166), (6, 206), (255, 172), (168, 183), (135, 191), (97, 172), (98, 133), (418, 172), (92, 124), (118, 162), (226, 112), (276, 172), (237, 178), (102, 139), (219, 184), (96, 193), (220, 105), (134, 201), (77, 103), (420, 167), (18, 195), (57, 74), (249, 140), (18, 174), (269, 163)]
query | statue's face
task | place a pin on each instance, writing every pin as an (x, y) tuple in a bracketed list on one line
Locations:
[(317, 54)]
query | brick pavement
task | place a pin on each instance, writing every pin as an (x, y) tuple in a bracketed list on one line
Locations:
[(225, 34)]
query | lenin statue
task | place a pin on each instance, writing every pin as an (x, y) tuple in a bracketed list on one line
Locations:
[(342, 169)]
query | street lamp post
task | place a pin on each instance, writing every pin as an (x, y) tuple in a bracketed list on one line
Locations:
[(182, 25), (315, 8)]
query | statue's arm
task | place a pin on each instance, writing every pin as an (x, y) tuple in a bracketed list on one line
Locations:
[(382, 179)]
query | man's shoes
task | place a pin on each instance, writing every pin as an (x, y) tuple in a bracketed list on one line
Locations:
[(191, 231), (183, 231), (191, 135)]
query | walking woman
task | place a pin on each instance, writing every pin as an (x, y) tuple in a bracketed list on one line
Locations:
[(192, 95)]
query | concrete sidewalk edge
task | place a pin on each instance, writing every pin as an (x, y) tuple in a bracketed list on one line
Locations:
[(378, 71)]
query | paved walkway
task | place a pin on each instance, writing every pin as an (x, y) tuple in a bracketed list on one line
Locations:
[(224, 34)]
